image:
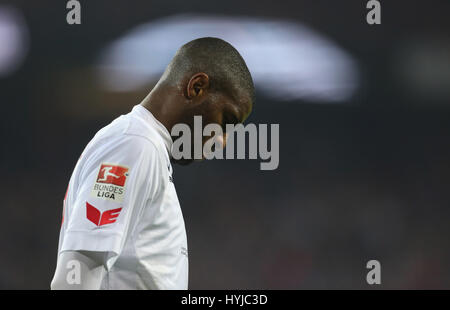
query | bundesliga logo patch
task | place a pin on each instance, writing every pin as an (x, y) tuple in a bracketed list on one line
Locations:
[(110, 182)]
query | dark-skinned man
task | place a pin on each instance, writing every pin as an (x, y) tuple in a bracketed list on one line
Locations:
[(122, 223)]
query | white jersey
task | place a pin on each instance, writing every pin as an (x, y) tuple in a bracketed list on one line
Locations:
[(121, 200)]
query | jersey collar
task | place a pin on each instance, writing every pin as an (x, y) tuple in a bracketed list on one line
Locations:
[(160, 128)]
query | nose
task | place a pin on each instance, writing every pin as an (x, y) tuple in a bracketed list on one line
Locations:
[(223, 140), (220, 142)]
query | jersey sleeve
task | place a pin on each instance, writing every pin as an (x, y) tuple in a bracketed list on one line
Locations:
[(115, 182)]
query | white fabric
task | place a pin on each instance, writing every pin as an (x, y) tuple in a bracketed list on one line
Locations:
[(121, 200)]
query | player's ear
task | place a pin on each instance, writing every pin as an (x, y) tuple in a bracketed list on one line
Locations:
[(197, 85)]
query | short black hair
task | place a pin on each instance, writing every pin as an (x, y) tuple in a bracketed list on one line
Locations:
[(225, 67)]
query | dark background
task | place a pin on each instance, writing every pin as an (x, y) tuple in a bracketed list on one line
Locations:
[(364, 179)]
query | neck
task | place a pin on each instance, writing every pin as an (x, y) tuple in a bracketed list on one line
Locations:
[(163, 104)]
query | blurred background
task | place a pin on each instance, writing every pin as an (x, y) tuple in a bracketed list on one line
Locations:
[(364, 114)]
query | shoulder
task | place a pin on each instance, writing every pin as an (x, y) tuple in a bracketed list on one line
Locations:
[(131, 148), (138, 128), (124, 135), (133, 151), (126, 141)]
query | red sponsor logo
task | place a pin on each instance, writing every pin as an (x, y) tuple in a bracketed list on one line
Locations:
[(111, 174), (98, 218)]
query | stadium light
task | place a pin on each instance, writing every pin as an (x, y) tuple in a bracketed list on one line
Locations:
[(13, 40), (287, 60)]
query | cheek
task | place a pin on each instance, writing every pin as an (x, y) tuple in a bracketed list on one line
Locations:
[(213, 112), (212, 115), (209, 112)]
